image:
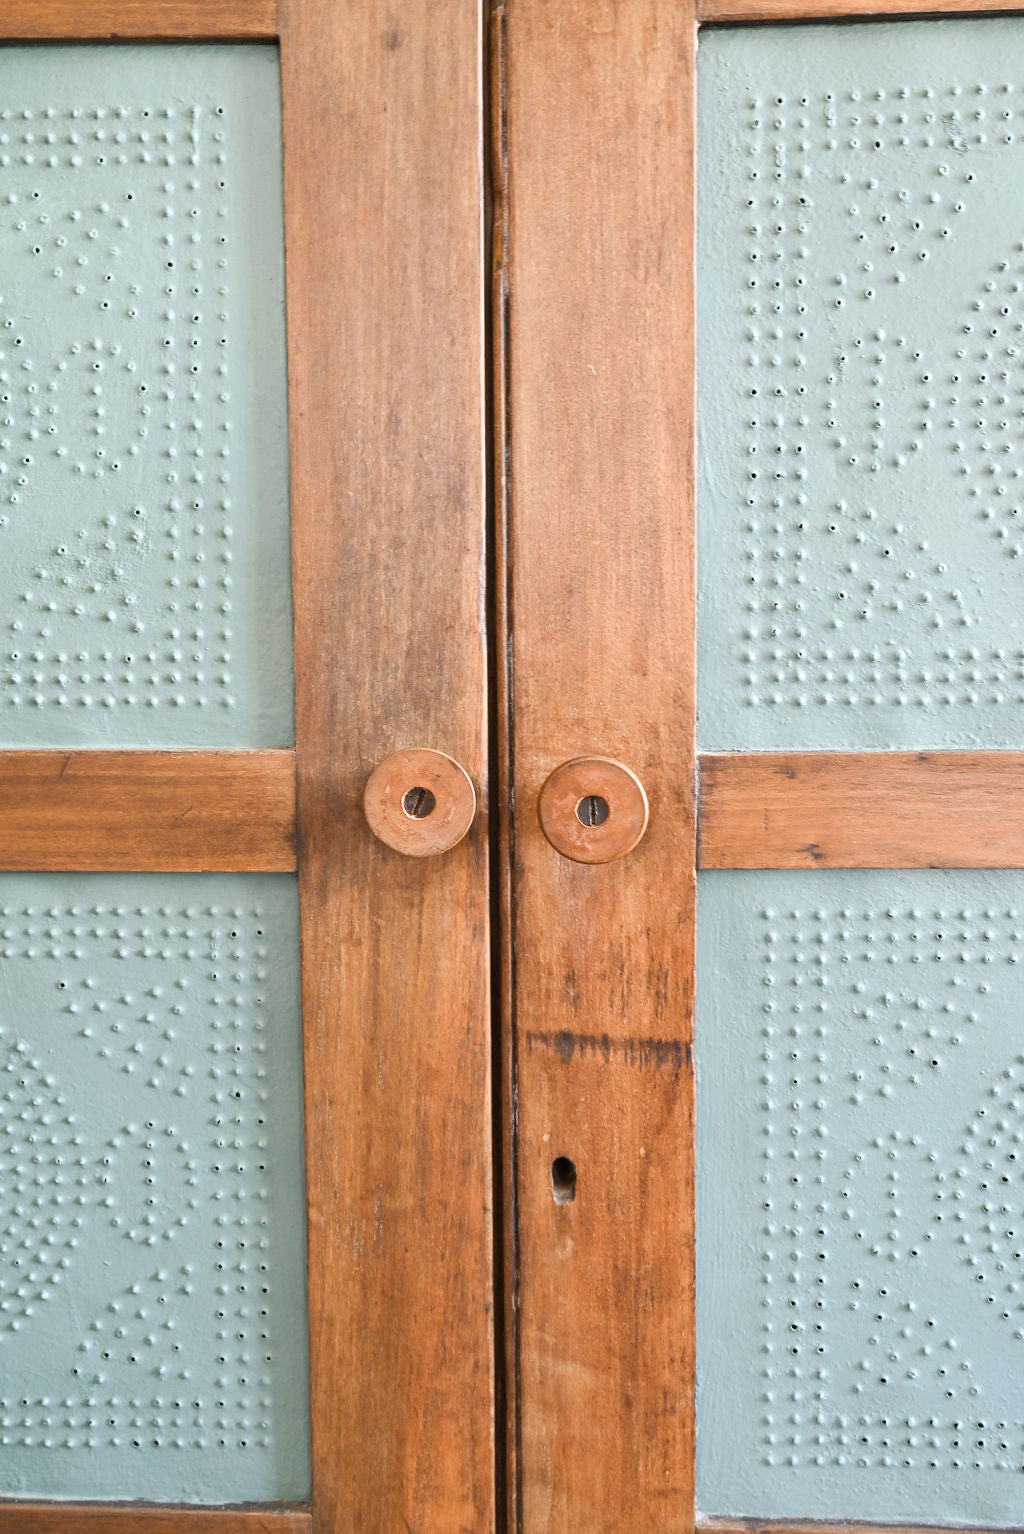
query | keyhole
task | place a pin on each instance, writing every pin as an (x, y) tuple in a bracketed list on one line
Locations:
[(563, 1180), (592, 810), (418, 803)]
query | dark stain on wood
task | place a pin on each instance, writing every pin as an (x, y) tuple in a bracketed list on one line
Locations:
[(661, 1054)]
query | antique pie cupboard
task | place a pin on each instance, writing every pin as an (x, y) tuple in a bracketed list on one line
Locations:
[(511, 766)]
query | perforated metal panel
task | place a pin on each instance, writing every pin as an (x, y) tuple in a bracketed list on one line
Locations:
[(144, 556), (152, 1262), (860, 1065), (861, 418)]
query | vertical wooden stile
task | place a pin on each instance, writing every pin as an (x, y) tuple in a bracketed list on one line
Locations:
[(598, 113), (383, 175)]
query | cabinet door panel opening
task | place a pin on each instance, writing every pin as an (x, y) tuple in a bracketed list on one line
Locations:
[(152, 1289), (859, 1195), (860, 420), (144, 543), (860, 408)]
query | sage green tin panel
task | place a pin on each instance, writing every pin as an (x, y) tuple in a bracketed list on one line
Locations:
[(860, 1195), (144, 547), (152, 1250), (861, 398)]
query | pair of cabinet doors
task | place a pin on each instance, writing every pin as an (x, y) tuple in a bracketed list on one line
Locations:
[(358, 399)]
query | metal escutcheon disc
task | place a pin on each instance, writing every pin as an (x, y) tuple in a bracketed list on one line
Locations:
[(419, 802), (593, 809)]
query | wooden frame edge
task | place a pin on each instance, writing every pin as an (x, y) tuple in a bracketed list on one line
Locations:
[(151, 1518), (838, 1526), (138, 20), (867, 809), (711, 12), (509, 1466)]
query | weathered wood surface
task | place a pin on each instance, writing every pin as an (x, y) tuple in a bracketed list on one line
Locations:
[(595, 239), (812, 10), (163, 811), (870, 809), (383, 227), (93, 20)]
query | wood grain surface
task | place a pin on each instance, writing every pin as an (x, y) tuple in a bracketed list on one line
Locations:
[(595, 246), (68, 20), (165, 811), (407, 783), (383, 228), (799, 1526), (872, 809), (815, 10), (138, 1518)]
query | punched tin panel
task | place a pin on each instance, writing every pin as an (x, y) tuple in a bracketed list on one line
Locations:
[(152, 1246), (144, 545), (860, 300), (860, 1195)]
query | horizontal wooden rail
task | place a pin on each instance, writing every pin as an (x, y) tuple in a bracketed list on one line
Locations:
[(945, 809), (138, 1518), (91, 20), (832, 10), (165, 811), (796, 1526), (837, 10)]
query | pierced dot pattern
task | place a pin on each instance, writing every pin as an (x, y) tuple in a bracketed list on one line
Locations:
[(860, 1059), (861, 406), (144, 559), (152, 1276)]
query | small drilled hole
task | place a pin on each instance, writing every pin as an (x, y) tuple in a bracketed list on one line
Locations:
[(563, 1180), (592, 810), (418, 803)]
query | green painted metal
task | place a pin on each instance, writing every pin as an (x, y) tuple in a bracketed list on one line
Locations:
[(152, 1246), (860, 1195), (144, 546), (861, 396)]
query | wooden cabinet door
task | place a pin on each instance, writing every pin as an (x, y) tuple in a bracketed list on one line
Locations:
[(242, 395), (595, 215), (799, 1307)]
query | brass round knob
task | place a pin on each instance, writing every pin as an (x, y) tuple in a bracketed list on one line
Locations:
[(419, 802), (593, 809)]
